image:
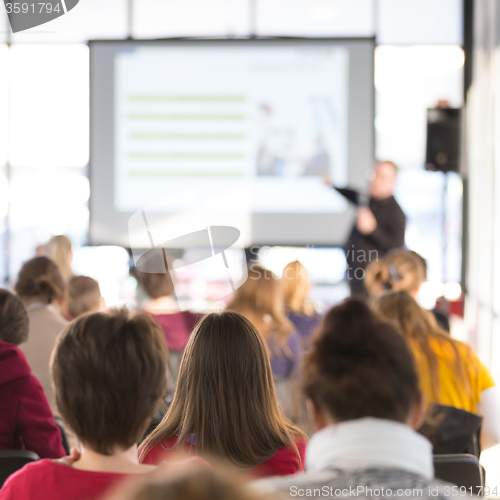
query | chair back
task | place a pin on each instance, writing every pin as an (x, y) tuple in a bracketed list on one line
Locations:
[(460, 469), (64, 436), (13, 460)]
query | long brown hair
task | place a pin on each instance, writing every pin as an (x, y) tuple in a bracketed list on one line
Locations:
[(225, 396), (420, 328), (261, 300), (296, 288)]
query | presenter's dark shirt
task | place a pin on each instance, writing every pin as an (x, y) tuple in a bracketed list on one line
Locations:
[(390, 232)]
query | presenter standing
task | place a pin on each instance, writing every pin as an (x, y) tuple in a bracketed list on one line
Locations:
[(379, 227)]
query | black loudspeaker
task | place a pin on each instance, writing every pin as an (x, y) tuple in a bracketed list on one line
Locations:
[(443, 139)]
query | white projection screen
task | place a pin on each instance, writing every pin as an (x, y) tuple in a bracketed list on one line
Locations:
[(249, 128)]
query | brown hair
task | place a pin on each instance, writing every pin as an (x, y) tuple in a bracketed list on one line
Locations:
[(83, 296), (419, 326), (109, 373), (189, 483), (59, 250), (260, 299), (296, 288), (360, 367), (400, 270), (14, 322), (40, 278), (225, 396), (157, 281)]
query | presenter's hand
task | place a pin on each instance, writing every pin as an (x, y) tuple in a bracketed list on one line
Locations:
[(366, 222), (327, 181)]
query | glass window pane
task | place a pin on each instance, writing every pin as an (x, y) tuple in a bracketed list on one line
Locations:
[(164, 18), (88, 20), (315, 17), (49, 105), (45, 202), (409, 80), (405, 22)]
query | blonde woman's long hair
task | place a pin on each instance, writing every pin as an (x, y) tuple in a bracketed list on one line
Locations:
[(400, 270), (59, 250), (261, 300), (420, 327), (225, 396), (296, 289)]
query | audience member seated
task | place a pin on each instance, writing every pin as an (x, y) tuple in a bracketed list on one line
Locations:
[(109, 374), (183, 483), (162, 305), (450, 372), (83, 295), (26, 420), (297, 304), (400, 271), (362, 383), (41, 289), (261, 300), (59, 251), (225, 404)]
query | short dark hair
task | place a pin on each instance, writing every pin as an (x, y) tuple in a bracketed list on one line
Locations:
[(360, 367), (14, 322), (109, 373), (83, 296), (40, 277)]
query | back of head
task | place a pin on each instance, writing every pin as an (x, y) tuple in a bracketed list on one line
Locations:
[(153, 274), (59, 250), (225, 394), (360, 367), (400, 270), (261, 300), (39, 278), (109, 374), (83, 296), (190, 483), (14, 322), (296, 288)]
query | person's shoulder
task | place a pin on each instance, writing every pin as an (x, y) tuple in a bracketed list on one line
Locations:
[(361, 483), (157, 453), (285, 461), (32, 473), (13, 362), (394, 205), (191, 316)]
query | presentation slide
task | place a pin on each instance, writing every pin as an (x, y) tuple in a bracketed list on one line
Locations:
[(266, 120), (274, 121)]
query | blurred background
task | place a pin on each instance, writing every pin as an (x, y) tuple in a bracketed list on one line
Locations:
[(44, 124), (425, 52)]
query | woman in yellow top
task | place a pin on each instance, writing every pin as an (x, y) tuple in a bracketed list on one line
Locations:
[(450, 372)]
